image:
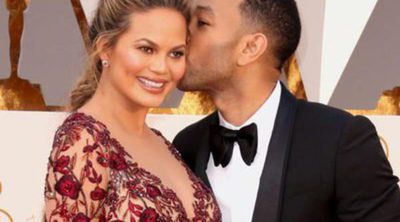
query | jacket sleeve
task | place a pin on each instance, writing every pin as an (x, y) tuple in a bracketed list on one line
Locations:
[(366, 189)]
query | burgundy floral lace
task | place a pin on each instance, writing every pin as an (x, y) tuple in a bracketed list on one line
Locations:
[(75, 189)]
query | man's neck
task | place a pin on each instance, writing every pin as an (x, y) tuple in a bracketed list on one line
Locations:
[(241, 100)]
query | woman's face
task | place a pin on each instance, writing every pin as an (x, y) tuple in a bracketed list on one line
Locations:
[(148, 59)]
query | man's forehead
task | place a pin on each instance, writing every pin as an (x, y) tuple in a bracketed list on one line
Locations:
[(213, 6)]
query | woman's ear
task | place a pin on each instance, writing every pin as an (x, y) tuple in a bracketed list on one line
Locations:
[(103, 49), (252, 48)]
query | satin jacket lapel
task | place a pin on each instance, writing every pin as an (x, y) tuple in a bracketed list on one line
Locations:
[(269, 196), (204, 151)]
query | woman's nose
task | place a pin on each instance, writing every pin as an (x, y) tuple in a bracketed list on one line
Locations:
[(158, 65)]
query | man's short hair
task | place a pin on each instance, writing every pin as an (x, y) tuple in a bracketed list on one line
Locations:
[(279, 20)]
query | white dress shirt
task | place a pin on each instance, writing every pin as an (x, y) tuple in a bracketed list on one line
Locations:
[(236, 185)]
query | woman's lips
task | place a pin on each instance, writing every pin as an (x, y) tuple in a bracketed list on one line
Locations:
[(153, 86)]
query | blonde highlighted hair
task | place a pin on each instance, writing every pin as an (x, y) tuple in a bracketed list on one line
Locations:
[(111, 19)]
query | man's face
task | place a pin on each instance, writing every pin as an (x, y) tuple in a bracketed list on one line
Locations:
[(214, 35)]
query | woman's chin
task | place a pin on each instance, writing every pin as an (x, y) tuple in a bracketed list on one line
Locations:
[(149, 102)]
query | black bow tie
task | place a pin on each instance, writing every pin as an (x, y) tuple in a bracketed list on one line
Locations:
[(223, 139)]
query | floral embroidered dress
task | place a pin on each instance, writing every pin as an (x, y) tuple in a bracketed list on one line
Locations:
[(101, 181)]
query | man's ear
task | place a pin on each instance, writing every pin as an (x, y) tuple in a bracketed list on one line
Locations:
[(252, 47)]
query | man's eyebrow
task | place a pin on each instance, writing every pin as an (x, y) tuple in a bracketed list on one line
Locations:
[(203, 8)]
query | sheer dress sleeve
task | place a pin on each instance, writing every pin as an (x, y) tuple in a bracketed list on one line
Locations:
[(77, 176)]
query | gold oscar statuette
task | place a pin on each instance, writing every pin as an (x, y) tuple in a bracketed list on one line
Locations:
[(4, 215), (385, 146), (388, 104), (17, 93)]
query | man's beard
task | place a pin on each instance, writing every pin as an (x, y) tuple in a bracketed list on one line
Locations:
[(203, 79), (208, 75), (195, 80)]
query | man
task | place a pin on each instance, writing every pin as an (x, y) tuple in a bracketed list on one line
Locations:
[(266, 155)]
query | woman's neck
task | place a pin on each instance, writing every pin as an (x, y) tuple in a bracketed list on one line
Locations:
[(116, 112)]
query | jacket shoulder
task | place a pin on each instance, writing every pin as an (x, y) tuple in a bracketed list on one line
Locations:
[(195, 128), (186, 138), (317, 112), (320, 121)]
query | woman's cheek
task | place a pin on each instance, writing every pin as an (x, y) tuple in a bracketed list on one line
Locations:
[(179, 71), (135, 63)]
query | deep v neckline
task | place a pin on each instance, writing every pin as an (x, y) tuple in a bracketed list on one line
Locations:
[(193, 179)]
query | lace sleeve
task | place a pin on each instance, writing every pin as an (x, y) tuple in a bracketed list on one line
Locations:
[(77, 177)]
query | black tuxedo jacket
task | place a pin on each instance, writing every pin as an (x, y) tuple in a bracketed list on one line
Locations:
[(322, 165)]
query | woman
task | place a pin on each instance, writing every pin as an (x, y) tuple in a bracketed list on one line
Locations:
[(106, 163)]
